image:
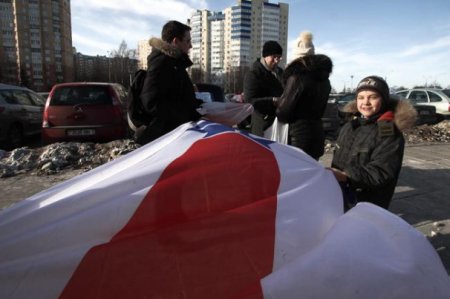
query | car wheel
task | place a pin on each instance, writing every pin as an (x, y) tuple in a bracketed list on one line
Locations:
[(15, 136)]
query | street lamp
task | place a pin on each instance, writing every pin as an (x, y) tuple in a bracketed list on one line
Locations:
[(351, 84), (235, 66), (109, 65)]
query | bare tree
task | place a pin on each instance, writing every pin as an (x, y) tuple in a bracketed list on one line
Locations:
[(123, 51), (123, 64)]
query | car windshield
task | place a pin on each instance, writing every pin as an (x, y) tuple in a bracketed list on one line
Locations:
[(75, 95), (447, 92), (204, 96)]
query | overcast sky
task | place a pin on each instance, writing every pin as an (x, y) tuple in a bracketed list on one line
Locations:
[(405, 41)]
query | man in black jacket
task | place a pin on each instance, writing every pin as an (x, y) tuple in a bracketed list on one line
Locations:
[(168, 94), (262, 84)]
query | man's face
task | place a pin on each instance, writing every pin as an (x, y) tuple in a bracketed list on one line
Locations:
[(183, 44), (272, 61)]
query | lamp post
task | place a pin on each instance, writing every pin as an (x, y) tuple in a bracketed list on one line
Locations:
[(109, 66), (351, 83), (235, 63)]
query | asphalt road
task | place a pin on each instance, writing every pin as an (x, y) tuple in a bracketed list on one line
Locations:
[(422, 197)]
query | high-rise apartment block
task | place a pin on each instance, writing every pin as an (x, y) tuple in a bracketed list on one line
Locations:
[(143, 50), (217, 42), (232, 39), (35, 43)]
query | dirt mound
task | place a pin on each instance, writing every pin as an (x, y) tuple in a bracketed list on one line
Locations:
[(60, 156)]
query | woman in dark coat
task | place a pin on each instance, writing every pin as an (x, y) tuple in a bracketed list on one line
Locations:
[(303, 103), (369, 150), (261, 84)]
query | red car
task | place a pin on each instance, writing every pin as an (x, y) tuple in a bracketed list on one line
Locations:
[(85, 111)]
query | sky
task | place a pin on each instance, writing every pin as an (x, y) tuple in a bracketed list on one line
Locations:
[(407, 42)]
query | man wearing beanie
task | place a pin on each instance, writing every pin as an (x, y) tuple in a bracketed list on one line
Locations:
[(261, 84), (303, 103), (369, 150)]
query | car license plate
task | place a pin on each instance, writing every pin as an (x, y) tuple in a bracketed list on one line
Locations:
[(326, 125), (424, 112), (81, 132)]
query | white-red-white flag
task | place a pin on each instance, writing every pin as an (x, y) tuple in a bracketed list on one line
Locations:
[(207, 211)]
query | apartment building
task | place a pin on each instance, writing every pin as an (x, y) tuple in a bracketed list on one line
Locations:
[(227, 42), (35, 42), (92, 68), (142, 52), (201, 45), (217, 48), (104, 69)]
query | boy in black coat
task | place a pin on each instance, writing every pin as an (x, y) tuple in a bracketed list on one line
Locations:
[(369, 150)]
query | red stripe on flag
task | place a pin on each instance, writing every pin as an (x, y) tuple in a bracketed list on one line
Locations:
[(205, 230)]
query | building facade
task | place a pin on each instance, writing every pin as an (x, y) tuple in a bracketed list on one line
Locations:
[(201, 45), (36, 42), (143, 50), (217, 21), (92, 68), (104, 69), (225, 44)]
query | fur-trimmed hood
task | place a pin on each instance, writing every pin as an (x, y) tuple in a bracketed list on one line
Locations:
[(165, 47), (318, 66), (405, 114)]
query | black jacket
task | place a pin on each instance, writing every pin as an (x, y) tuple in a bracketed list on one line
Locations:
[(370, 152), (303, 103), (168, 94), (260, 87)]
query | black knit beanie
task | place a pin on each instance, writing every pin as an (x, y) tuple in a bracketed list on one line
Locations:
[(271, 47), (374, 83)]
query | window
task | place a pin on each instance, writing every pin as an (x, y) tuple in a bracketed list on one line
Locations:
[(434, 97), (37, 100), (418, 96), (403, 93), (7, 96), (22, 98)]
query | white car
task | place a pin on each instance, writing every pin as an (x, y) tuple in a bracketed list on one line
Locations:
[(439, 98)]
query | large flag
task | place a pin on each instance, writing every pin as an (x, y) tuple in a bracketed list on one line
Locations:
[(207, 211)]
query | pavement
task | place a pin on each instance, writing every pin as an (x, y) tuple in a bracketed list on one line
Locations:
[(422, 195)]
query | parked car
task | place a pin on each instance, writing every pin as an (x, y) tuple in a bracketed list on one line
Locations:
[(341, 100), (44, 95), (20, 115), (426, 114), (85, 111), (216, 91), (206, 97), (331, 121), (439, 98)]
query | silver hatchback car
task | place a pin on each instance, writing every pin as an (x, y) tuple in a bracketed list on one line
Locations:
[(20, 115), (439, 98)]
